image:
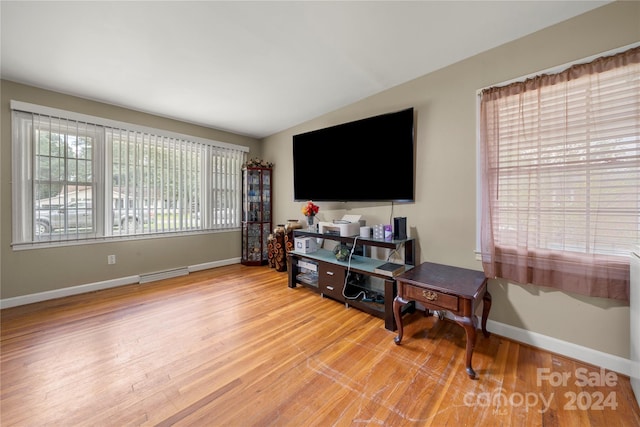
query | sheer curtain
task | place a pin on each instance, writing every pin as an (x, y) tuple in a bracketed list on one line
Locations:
[(560, 162)]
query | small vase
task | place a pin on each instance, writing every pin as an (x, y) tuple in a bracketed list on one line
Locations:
[(293, 224), (310, 222)]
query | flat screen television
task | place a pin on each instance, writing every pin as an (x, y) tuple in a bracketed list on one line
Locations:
[(370, 159)]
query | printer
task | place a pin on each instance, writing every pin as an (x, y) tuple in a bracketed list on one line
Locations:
[(349, 225)]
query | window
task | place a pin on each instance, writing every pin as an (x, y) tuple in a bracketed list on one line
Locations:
[(560, 160), (79, 178)]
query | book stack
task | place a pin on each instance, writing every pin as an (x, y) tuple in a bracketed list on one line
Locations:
[(389, 269)]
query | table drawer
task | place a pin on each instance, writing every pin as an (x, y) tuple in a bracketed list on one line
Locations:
[(331, 274), (333, 291), (433, 298), (331, 280)]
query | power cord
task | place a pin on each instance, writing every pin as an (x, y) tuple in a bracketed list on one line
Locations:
[(391, 214), (346, 277)]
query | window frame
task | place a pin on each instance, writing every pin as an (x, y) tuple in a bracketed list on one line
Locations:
[(24, 235), (552, 70), (592, 271)]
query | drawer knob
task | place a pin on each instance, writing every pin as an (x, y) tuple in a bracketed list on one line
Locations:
[(430, 295), (330, 288)]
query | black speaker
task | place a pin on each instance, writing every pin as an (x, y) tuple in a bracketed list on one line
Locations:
[(400, 227)]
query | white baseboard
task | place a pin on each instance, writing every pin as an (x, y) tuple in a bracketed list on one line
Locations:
[(91, 287), (564, 348), (213, 264), (65, 292), (554, 345)]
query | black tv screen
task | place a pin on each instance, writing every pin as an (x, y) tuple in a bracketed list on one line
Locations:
[(365, 160)]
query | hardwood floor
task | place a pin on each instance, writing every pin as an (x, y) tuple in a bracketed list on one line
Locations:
[(234, 346)]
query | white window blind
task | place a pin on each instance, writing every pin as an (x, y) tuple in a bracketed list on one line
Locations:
[(78, 180), (562, 171)]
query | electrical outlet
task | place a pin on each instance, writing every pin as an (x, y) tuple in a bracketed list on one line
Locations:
[(111, 259)]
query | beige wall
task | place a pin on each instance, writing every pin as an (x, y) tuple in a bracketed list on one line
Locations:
[(443, 217), (28, 272)]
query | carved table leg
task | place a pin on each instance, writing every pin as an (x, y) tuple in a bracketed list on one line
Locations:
[(397, 314), (486, 306), (469, 325)]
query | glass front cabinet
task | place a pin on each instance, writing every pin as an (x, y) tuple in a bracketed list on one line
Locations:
[(256, 215)]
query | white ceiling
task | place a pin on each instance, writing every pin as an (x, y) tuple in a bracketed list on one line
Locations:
[(253, 68)]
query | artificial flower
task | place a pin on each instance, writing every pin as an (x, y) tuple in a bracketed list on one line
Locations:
[(310, 209)]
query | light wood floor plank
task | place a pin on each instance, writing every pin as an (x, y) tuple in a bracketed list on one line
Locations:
[(234, 346)]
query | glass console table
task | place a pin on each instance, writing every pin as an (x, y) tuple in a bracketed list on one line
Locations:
[(353, 282)]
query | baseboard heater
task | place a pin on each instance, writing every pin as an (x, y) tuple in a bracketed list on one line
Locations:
[(160, 275)]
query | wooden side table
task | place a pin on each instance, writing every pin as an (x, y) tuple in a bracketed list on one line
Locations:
[(442, 287)]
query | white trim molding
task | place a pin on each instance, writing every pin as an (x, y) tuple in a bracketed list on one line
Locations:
[(553, 345), (563, 348), (85, 118), (97, 286)]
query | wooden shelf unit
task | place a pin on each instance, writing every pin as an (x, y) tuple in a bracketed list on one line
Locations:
[(256, 214), (353, 280)]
